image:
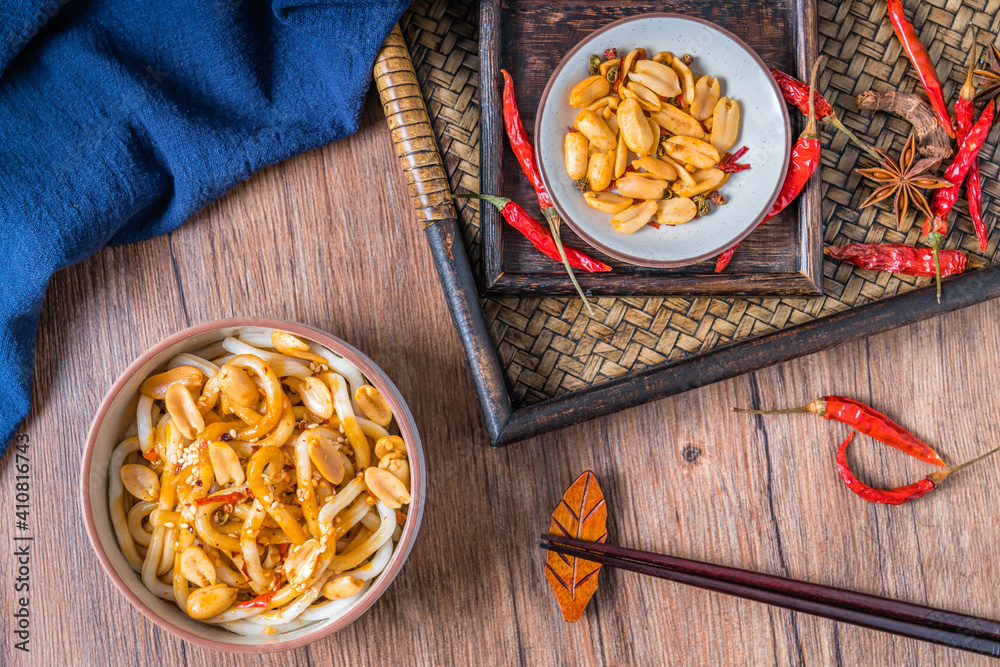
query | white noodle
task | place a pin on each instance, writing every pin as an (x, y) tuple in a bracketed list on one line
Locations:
[(207, 368)]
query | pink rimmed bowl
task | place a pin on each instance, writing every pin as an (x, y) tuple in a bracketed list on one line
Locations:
[(116, 412)]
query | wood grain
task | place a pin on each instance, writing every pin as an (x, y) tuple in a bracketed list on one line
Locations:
[(529, 38), (330, 239)]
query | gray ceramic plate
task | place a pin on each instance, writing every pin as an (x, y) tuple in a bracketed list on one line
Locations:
[(764, 130)]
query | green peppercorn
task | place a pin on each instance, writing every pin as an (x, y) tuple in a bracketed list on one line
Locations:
[(704, 208), (595, 65)]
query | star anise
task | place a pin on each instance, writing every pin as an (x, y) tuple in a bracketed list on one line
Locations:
[(989, 79), (904, 179)]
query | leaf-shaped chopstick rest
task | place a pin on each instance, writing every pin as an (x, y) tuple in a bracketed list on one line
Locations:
[(581, 514)]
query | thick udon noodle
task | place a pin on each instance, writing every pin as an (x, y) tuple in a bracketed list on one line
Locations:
[(259, 486)]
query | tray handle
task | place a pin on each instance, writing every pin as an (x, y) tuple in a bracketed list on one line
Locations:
[(411, 131)]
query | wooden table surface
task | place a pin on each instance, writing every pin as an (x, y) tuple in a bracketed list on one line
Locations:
[(328, 239)]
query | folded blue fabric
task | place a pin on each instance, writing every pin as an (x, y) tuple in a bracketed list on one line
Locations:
[(120, 119)]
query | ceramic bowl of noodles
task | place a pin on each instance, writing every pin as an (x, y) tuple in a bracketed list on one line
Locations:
[(252, 485)]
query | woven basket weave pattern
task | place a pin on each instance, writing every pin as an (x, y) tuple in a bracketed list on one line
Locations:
[(549, 346)]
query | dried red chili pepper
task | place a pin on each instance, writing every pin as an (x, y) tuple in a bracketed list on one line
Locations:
[(233, 497), (525, 154), (866, 419), (804, 160), (538, 234), (964, 114), (921, 62), (904, 259), (936, 227), (796, 93), (900, 494), (258, 602), (728, 161)]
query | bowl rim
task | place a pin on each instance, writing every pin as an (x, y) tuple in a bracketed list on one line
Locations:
[(617, 254), (407, 427)]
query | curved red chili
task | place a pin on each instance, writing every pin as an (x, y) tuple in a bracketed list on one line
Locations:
[(796, 93), (898, 258), (539, 236), (900, 494), (964, 118), (519, 142), (804, 160), (921, 62), (866, 419), (525, 153), (935, 228), (896, 496)]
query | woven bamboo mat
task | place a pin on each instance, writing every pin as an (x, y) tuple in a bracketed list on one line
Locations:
[(549, 346)]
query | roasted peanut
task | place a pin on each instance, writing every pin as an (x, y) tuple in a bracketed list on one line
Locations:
[(182, 409), (588, 90), (373, 404), (706, 96), (659, 78), (657, 168), (706, 180), (326, 458), (675, 211), (210, 601), (157, 385), (655, 133), (686, 79), (607, 202), (237, 385), (675, 121), (621, 156), (634, 218), (633, 56), (600, 171), (197, 567), (286, 343), (682, 174), (342, 587), (140, 481), (390, 443), (646, 98), (607, 113), (612, 120), (600, 103), (694, 152), (663, 57), (301, 562), (596, 130), (316, 397), (226, 464), (641, 187), (386, 487), (725, 124), (396, 465), (634, 126)]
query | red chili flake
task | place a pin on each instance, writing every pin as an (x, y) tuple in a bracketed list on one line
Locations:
[(654, 225), (610, 54), (572, 130), (178, 467), (151, 456), (283, 549)]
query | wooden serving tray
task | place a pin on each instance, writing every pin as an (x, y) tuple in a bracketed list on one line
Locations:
[(528, 38)]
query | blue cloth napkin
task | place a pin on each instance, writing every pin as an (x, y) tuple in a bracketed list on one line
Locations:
[(119, 119)]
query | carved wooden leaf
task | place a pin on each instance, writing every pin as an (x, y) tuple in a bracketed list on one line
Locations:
[(581, 514)]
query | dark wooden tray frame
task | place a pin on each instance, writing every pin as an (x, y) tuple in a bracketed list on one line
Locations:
[(420, 160), (806, 279)]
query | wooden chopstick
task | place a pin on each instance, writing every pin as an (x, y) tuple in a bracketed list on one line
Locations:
[(969, 633)]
